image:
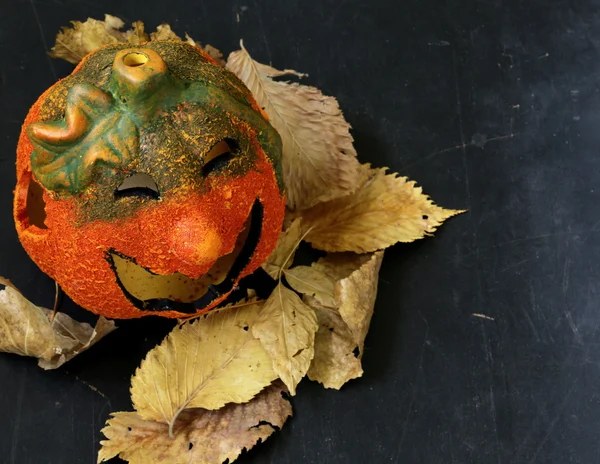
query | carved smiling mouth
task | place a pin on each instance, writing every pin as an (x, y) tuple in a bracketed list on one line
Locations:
[(177, 292)]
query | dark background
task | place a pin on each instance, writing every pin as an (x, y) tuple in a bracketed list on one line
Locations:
[(493, 106)]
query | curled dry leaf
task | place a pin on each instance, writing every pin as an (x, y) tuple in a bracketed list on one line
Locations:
[(73, 43), (200, 436), (136, 35), (29, 330), (164, 32), (342, 330), (319, 160), (337, 356), (286, 329), (213, 52), (203, 364), (283, 255), (386, 210)]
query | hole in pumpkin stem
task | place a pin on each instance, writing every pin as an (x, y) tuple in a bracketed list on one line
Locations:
[(135, 59), (138, 185), (219, 155), (36, 206)]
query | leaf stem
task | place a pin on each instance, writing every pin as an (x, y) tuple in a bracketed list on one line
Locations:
[(281, 269), (56, 297)]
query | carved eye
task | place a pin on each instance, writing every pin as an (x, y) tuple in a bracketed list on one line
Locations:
[(219, 156), (138, 185)]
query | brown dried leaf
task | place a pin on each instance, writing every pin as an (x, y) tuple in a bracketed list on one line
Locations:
[(203, 364), (338, 266), (213, 52), (27, 330), (335, 361), (386, 210), (319, 160), (73, 43), (136, 35), (200, 436), (164, 32), (286, 329), (342, 330), (283, 254), (311, 281), (191, 41)]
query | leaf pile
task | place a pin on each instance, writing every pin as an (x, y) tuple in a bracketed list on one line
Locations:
[(200, 436), (75, 42), (217, 385), (203, 395)]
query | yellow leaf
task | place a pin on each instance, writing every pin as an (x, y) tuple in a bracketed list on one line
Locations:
[(386, 210), (342, 330), (283, 254), (73, 43), (200, 436), (28, 330), (319, 160), (203, 364), (311, 281), (286, 329)]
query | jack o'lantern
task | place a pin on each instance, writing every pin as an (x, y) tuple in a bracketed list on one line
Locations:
[(148, 182)]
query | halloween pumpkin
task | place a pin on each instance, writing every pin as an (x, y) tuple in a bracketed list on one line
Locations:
[(148, 182)]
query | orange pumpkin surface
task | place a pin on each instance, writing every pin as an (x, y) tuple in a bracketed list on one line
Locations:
[(148, 182)]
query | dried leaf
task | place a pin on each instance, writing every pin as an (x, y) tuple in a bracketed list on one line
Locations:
[(286, 329), (386, 210), (319, 160), (73, 43), (27, 330), (136, 35), (191, 41), (356, 294), (311, 281), (200, 436), (342, 330), (283, 254), (203, 364), (336, 361), (338, 266), (164, 32), (213, 52)]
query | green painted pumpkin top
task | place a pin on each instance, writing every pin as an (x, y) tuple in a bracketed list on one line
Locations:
[(157, 109)]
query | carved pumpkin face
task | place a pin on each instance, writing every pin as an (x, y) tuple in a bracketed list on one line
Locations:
[(148, 182)]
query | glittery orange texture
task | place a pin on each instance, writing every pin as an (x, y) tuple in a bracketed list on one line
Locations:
[(185, 232)]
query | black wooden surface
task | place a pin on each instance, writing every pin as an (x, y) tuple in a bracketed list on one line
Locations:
[(492, 106)]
